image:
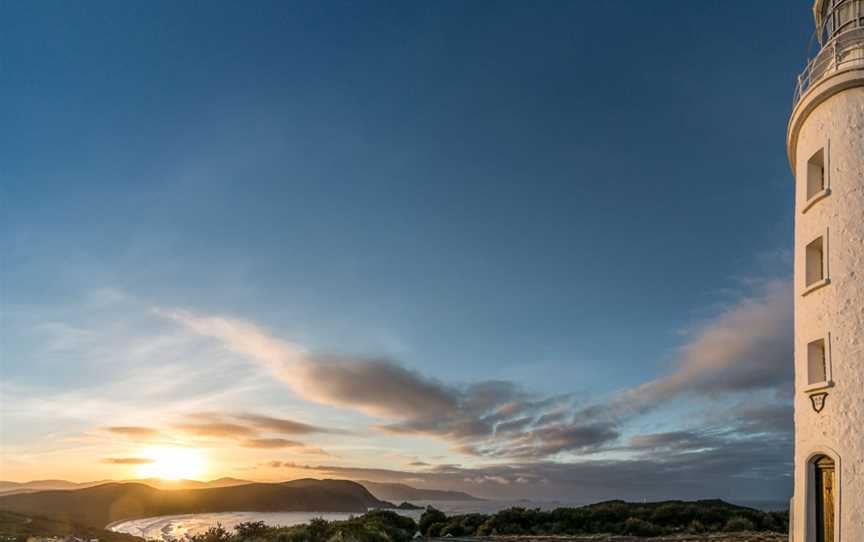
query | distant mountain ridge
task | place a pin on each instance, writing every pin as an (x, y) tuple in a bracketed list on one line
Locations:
[(10, 488), (402, 492), (385, 491), (106, 503), (42, 485)]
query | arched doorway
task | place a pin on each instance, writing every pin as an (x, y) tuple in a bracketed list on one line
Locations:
[(824, 493)]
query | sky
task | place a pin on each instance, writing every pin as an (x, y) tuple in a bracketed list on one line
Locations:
[(522, 250)]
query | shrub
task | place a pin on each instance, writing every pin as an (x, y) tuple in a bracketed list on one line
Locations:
[(487, 528), (453, 529), (430, 517), (213, 534), (435, 529), (639, 527), (780, 521), (737, 524), (318, 530), (695, 527), (251, 529)]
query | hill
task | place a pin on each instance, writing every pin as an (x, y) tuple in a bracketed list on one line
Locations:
[(159, 483), (11, 488), (402, 492), (8, 488), (384, 491), (100, 505), (22, 527)]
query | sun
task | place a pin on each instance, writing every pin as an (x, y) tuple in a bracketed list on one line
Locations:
[(172, 463)]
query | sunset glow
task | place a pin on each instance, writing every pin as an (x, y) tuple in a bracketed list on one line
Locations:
[(172, 464)]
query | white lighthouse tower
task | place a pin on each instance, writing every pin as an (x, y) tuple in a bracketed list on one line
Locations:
[(825, 142)]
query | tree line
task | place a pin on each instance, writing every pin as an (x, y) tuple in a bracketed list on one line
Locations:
[(614, 517)]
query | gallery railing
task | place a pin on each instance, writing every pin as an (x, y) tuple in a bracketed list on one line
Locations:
[(846, 50)]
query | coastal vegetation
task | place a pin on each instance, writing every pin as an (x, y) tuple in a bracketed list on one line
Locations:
[(20, 528), (700, 519), (374, 526), (612, 517)]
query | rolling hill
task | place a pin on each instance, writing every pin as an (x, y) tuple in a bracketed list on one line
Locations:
[(386, 491), (11, 488), (402, 492), (22, 527), (100, 505)]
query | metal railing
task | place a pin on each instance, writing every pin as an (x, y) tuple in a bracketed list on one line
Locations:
[(844, 51)]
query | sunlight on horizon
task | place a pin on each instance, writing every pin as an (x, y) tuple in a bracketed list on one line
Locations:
[(172, 464)]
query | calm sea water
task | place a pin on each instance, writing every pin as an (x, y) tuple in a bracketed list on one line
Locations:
[(174, 528)]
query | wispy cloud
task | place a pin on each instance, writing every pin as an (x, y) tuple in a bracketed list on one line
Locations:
[(127, 461), (746, 346), (270, 443), (415, 403), (215, 429), (133, 431), (285, 426)]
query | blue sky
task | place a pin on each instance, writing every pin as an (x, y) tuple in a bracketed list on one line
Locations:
[(563, 197)]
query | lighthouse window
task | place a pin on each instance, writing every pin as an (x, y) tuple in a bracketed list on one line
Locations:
[(817, 362), (840, 15), (815, 262), (816, 174)]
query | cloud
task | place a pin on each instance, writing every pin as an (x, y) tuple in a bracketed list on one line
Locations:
[(224, 426), (760, 467), (133, 431), (216, 429), (674, 440), (284, 426), (127, 461), (415, 403), (376, 387), (774, 417), (270, 443), (745, 348)]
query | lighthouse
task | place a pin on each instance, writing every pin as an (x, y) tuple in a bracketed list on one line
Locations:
[(825, 144)]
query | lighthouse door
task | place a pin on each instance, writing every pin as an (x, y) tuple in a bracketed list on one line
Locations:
[(824, 493)]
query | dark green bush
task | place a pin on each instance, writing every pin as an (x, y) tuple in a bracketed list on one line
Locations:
[(375, 526), (429, 517), (695, 527), (639, 527), (738, 524), (435, 529), (251, 529)]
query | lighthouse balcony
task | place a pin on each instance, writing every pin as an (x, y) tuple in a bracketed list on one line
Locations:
[(845, 51)]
